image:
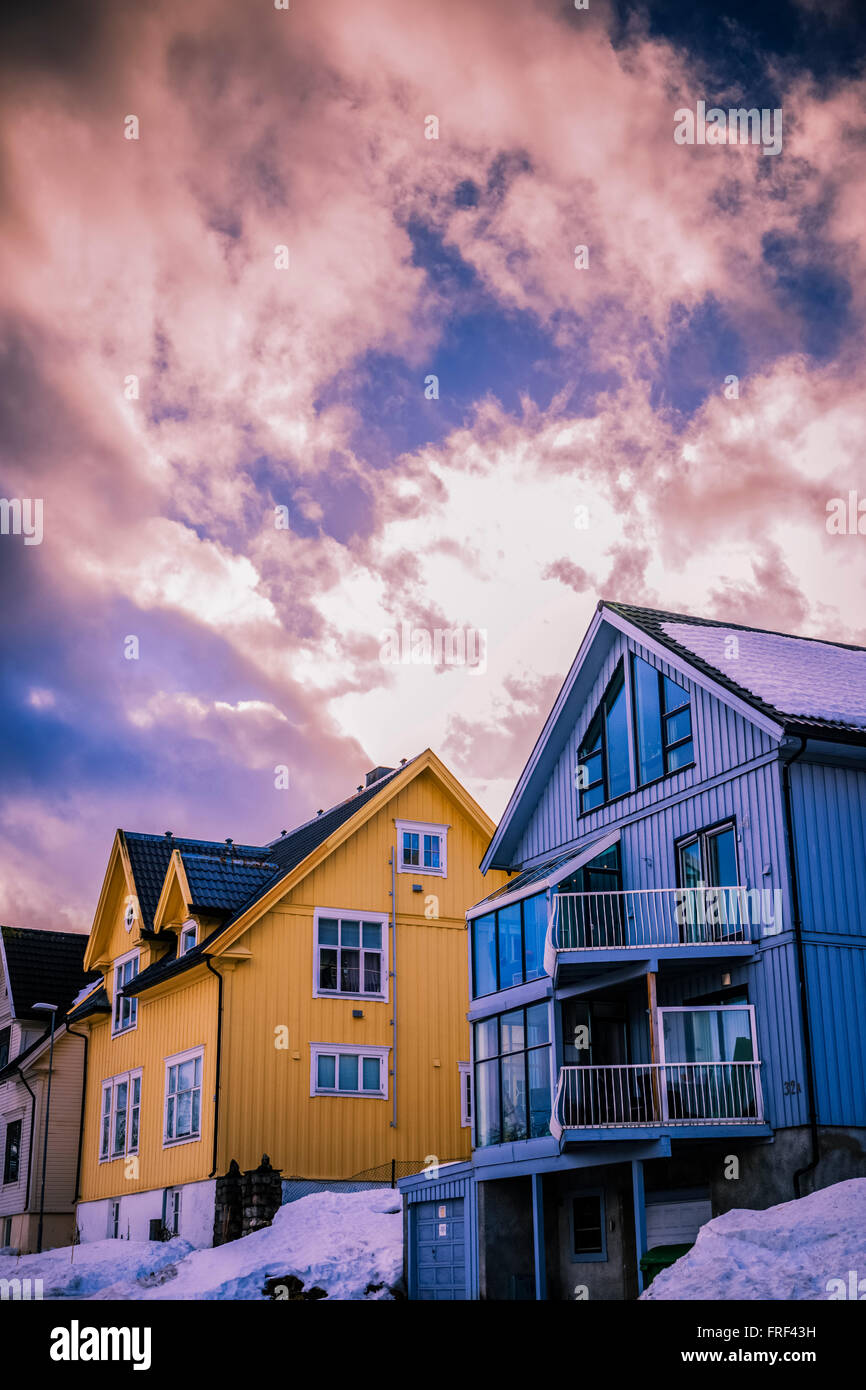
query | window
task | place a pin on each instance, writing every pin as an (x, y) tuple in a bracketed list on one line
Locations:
[(465, 1094), (183, 1097), (586, 1219), (345, 1070), (422, 848), (351, 955), (7, 1231), (508, 945), (125, 1010), (121, 1113), (12, 1156), (708, 860), (114, 1221), (172, 1210), (188, 937), (512, 1076), (604, 754), (663, 723), (5, 1045)]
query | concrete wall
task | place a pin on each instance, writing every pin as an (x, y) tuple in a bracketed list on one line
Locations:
[(608, 1279), (506, 1262), (138, 1209)]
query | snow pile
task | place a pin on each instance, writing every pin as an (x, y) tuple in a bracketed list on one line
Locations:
[(792, 1251), (348, 1243), (794, 674), (81, 1271)]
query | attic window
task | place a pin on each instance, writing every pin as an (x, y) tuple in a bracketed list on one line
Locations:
[(188, 937), (422, 848)]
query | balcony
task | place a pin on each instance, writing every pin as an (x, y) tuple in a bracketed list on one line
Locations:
[(680, 922), (593, 1102)]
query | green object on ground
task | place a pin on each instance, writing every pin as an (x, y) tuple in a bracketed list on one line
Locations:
[(660, 1257)]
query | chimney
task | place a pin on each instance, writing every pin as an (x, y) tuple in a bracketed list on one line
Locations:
[(375, 773)]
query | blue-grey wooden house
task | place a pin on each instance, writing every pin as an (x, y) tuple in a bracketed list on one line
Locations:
[(668, 996)]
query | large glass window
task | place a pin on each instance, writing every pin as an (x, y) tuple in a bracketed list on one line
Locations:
[(604, 753), (663, 723), (512, 1076), (508, 945), (616, 739), (648, 722)]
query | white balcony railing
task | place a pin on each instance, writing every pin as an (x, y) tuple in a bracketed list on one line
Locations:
[(641, 917), (669, 1093)]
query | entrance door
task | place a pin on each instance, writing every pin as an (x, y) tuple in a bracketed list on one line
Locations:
[(438, 1251)]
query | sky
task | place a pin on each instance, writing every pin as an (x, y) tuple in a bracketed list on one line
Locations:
[(298, 352)]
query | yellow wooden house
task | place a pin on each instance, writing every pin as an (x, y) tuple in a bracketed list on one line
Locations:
[(305, 998)]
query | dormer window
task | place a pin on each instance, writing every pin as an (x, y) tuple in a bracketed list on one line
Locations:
[(188, 937)]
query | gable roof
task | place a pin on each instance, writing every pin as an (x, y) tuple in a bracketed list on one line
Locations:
[(808, 687), (43, 967), (150, 855), (274, 866)]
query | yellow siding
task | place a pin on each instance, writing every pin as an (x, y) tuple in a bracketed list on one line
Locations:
[(267, 1102), (183, 1018)]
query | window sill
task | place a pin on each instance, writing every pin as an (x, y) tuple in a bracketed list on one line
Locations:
[(352, 1095), (118, 1158), (340, 994), (178, 1143)]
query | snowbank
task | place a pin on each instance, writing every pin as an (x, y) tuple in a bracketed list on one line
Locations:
[(81, 1271), (792, 1251), (344, 1243)]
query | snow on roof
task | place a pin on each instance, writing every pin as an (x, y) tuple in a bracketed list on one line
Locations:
[(796, 675)]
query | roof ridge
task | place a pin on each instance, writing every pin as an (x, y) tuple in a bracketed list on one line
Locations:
[(281, 839), (664, 614)]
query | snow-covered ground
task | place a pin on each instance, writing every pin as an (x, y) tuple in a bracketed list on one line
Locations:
[(343, 1243), (793, 1251)]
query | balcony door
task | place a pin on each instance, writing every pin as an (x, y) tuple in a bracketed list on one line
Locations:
[(595, 1038), (708, 1056), (707, 866)]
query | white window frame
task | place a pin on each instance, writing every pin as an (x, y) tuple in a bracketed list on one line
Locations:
[(110, 1084), (114, 1219), (173, 1205), (338, 1050), (176, 1060), (187, 927), (379, 919), (118, 999), (704, 1009), (465, 1070), (422, 828)]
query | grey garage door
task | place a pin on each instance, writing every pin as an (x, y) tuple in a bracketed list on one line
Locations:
[(439, 1250)]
